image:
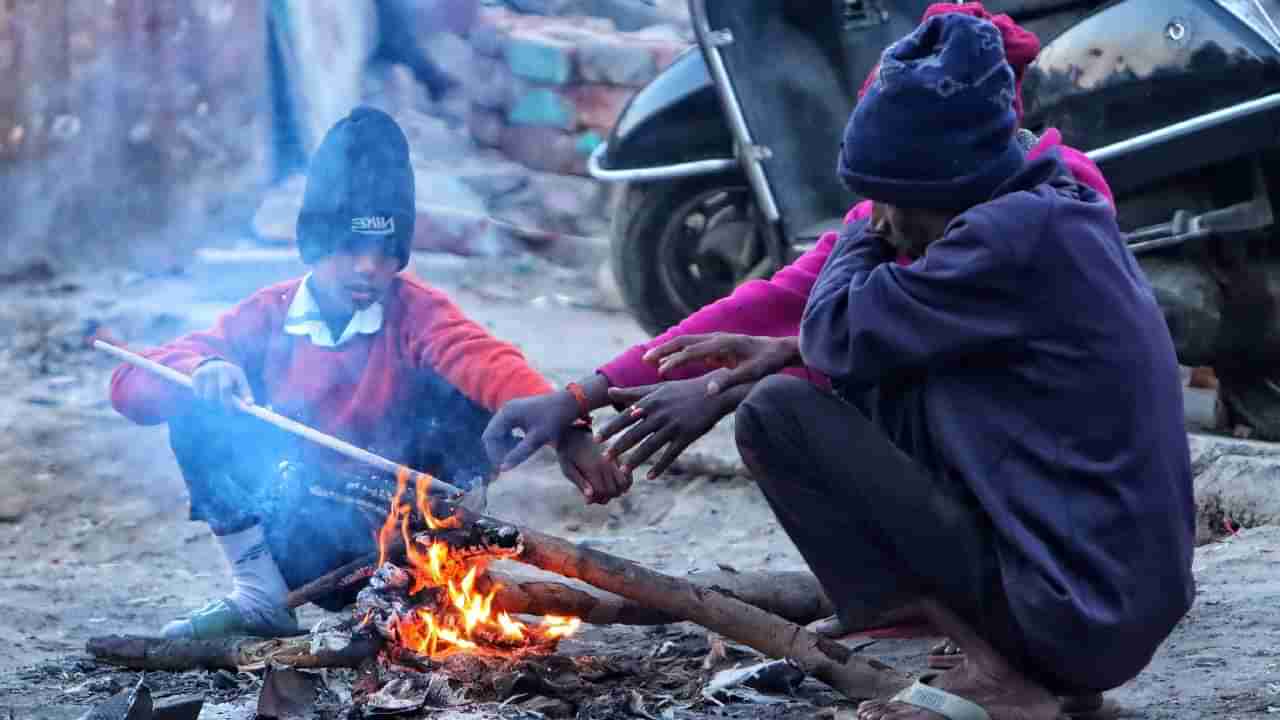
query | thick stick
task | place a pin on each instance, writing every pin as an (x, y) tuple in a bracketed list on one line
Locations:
[(795, 596), (233, 653), (826, 660), (438, 487)]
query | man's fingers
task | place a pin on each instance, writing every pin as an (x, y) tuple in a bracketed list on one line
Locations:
[(627, 396), (646, 449), (631, 437), (674, 448), (673, 361), (617, 424), (654, 355), (747, 372)]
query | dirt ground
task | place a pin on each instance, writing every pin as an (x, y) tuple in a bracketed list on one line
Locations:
[(94, 538)]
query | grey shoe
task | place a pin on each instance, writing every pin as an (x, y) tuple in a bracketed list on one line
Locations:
[(223, 618)]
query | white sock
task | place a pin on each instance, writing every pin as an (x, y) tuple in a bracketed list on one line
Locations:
[(257, 584)]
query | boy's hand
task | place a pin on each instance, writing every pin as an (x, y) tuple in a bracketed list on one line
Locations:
[(581, 461), (222, 383), (542, 419)]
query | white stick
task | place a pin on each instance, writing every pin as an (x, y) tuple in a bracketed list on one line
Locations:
[(339, 446)]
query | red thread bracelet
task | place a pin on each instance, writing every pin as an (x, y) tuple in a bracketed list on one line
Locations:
[(584, 408)]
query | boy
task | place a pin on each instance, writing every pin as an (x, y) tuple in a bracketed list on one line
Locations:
[(354, 349)]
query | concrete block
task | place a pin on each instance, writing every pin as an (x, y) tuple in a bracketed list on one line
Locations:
[(615, 63), (543, 107), (539, 57), (598, 106), (545, 149), (495, 87)]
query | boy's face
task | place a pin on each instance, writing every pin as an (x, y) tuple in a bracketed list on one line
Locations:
[(357, 274)]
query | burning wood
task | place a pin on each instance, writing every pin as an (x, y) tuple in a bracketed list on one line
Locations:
[(441, 602)]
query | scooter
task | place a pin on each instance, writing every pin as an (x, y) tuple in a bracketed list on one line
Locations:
[(727, 157)]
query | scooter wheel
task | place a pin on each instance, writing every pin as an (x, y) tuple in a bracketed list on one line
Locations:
[(679, 245)]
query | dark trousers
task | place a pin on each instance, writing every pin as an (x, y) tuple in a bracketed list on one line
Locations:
[(859, 492), (241, 472)]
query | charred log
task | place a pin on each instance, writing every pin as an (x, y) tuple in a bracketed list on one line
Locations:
[(234, 653)]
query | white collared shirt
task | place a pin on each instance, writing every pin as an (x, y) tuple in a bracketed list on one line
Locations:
[(304, 318)]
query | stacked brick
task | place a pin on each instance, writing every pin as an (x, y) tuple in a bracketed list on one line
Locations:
[(548, 89)]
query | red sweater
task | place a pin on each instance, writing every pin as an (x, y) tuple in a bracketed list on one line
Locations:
[(369, 391)]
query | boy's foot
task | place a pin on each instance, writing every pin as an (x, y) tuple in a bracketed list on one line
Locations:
[(223, 618)]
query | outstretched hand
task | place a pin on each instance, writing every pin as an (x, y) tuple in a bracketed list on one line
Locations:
[(748, 358), (670, 415), (582, 463), (542, 419)]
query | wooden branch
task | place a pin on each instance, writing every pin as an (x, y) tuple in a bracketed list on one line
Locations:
[(795, 596), (832, 663), (232, 653)]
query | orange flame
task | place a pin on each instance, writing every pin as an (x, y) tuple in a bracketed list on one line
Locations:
[(463, 620)]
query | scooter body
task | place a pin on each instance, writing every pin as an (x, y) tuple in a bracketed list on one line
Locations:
[(728, 156)]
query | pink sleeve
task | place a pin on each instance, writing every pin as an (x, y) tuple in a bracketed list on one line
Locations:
[(1084, 169), (770, 308)]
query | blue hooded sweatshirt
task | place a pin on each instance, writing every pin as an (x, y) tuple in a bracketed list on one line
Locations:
[(1052, 389)]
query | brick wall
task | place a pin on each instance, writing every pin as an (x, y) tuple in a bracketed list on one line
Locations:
[(553, 86)]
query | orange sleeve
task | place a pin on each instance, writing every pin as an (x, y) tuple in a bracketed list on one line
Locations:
[(238, 336), (488, 371)]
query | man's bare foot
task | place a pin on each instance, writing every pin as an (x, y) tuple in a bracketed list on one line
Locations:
[(835, 628), (1009, 697)]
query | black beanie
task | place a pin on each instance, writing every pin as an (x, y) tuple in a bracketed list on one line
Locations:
[(936, 127), (360, 182)]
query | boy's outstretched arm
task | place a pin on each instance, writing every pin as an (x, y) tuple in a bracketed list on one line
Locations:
[(234, 338), (488, 371)]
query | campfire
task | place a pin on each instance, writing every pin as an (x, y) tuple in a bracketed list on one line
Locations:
[(441, 602)]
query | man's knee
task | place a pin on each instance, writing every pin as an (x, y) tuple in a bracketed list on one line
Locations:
[(774, 401)]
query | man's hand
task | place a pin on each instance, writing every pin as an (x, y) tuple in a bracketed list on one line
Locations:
[(542, 419), (749, 358), (222, 383), (671, 415), (581, 461)]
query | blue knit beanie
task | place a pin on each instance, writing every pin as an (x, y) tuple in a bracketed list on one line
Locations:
[(936, 130), (360, 184)]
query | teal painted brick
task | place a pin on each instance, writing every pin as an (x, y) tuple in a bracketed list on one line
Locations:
[(587, 142), (539, 59), (542, 107)]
